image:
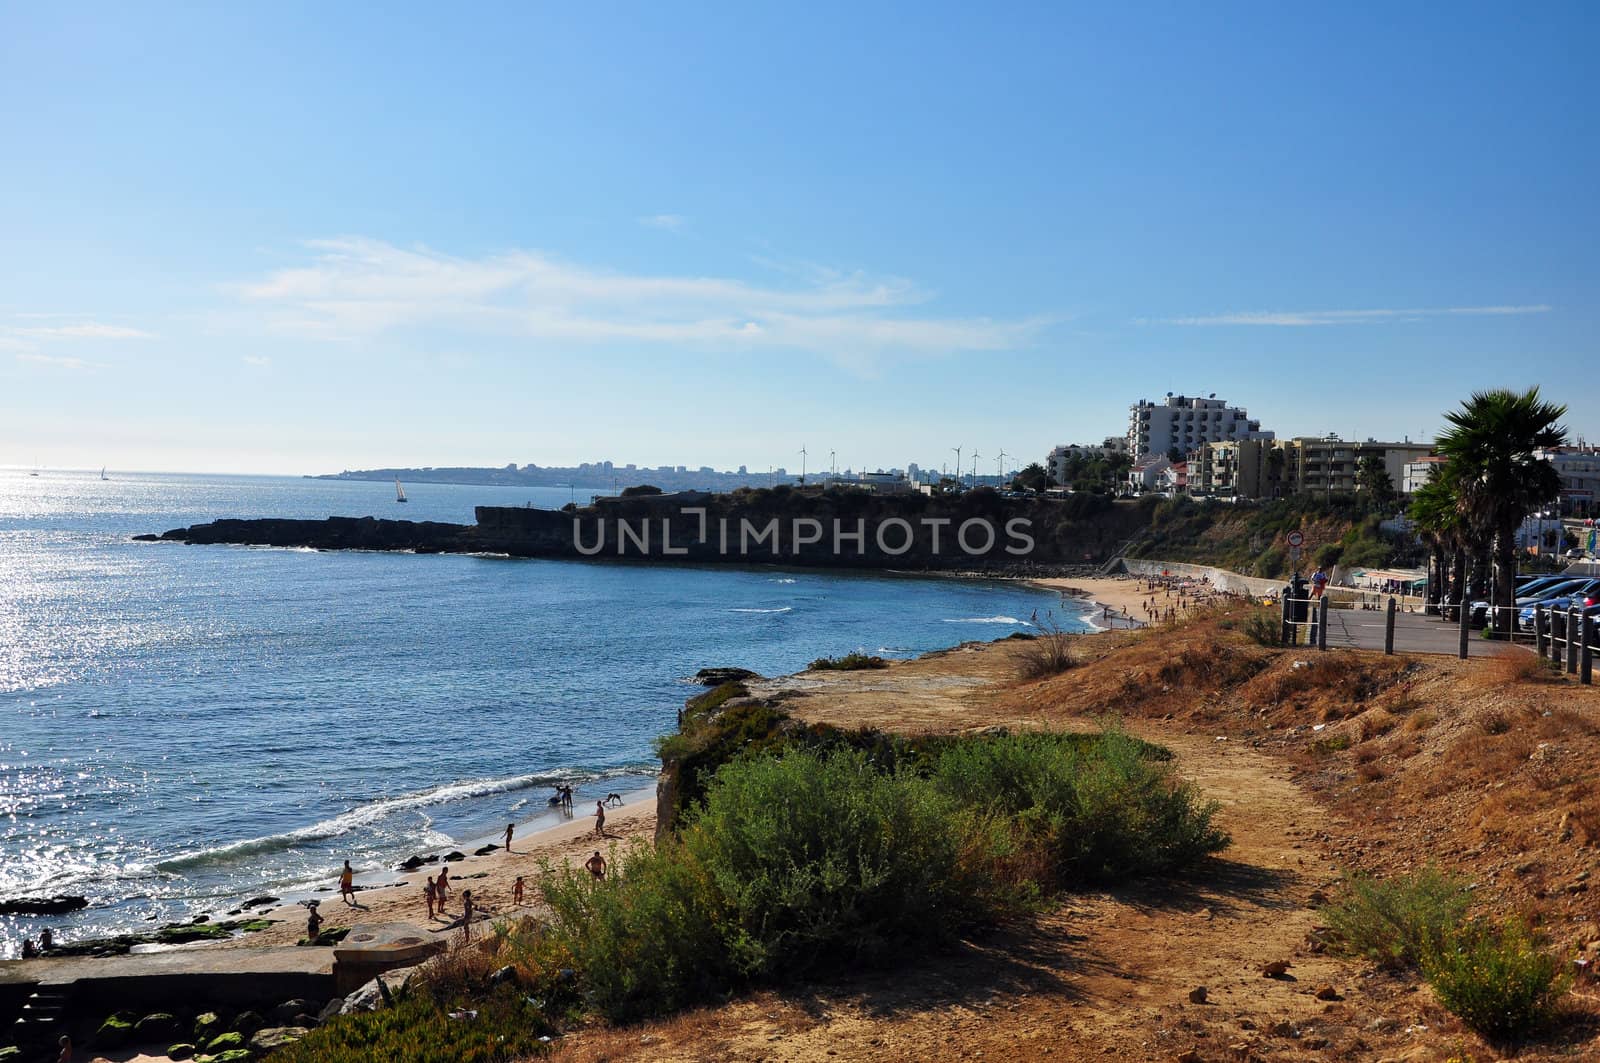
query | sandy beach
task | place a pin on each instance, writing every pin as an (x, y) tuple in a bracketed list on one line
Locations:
[(396, 896)]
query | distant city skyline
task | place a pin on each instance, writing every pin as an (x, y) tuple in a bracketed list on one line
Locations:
[(301, 238)]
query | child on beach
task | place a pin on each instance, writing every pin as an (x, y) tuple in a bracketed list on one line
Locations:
[(516, 891), (509, 828), (313, 923), (429, 892), (347, 889)]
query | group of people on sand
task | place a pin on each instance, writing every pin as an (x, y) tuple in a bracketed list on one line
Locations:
[(47, 941)]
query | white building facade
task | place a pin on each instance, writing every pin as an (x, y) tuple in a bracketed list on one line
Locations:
[(1186, 423)]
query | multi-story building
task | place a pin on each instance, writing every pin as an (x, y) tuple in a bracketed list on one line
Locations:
[(1579, 468), (1237, 468), (1329, 465), (1146, 473), (1056, 463), (1185, 424), (1418, 471)]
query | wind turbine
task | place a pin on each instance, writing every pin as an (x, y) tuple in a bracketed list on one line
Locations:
[(802, 466), (1000, 468), (958, 465), (974, 463)]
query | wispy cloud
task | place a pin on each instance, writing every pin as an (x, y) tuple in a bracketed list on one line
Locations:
[(88, 330), (670, 222), (1302, 318), (357, 287), (58, 361), (256, 360)]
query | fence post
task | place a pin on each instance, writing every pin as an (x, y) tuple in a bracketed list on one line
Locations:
[(1541, 634), (1288, 614), (1555, 623), (1585, 653), (1388, 627), (1322, 622), (1573, 618), (1463, 622)]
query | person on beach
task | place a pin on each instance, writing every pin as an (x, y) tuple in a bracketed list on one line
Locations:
[(47, 940), (510, 827), (313, 922), (347, 884), (596, 865), (442, 886), (466, 915), (599, 819), (30, 951), (430, 894), (516, 891)]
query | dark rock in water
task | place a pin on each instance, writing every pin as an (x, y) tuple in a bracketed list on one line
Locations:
[(715, 677), (235, 911), (452, 857), (147, 538), (274, 1037), (160, 1026), (411, 863), (57, 905), (179, 935), (284, 1013), (197, 920), (485, 851), (115, 1031), (258, 902)]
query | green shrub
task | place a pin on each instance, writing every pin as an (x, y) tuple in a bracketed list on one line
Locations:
[(647, 939), (850, 662), (1264, 627), (1395, 922), (419, 1029), (1102, 807), (1050, 653), (1497, 977)]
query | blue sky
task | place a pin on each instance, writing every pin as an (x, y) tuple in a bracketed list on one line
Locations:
[(300, 238)]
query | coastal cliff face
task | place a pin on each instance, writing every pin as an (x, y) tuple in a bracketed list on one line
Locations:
[(977, 531)]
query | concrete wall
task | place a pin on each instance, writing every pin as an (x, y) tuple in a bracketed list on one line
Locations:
[(1220, 578)]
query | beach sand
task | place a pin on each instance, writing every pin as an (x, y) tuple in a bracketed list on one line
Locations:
[(1120, 593), (488, 877)]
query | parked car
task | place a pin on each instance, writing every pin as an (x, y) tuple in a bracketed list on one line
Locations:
[(1528, 587), (1585, 596)]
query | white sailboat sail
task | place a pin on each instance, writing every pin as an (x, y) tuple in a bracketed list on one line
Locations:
[(399, 492)]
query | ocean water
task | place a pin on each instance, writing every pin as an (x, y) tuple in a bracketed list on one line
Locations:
[(184, 727)]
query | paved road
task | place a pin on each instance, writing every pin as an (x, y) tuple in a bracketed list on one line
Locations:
[(1413, 633)]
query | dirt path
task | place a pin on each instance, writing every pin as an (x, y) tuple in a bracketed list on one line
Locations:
[(1106, 974)]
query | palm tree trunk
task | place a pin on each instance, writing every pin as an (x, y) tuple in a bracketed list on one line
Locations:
[(1458, 578), (1505, 581)]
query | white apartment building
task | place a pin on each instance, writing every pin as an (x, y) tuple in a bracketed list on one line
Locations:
[(1056, 463), (1186, 423)]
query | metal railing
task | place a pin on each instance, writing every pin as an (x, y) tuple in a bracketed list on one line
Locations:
[(1569, 637)]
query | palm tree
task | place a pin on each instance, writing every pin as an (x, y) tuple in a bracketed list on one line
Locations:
[(1443, 529), (1498, 481)]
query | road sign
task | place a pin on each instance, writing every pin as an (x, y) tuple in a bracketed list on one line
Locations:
[(1294, 552), (1296, 540)]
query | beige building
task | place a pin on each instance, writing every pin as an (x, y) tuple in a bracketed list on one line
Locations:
[(1236, 468), (1328, 464)]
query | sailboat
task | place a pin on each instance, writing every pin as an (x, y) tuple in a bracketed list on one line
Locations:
[(103, 475), (399, 492)]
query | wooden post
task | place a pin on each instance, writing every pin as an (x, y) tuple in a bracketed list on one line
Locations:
[(1288, 617), (1574, 636), (1388, 627), (1541, 632), (1463, 623), (1585, 653), (1322, 621), (1557, 632)]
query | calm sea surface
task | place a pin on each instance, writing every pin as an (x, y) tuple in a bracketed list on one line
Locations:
[(183, 727)]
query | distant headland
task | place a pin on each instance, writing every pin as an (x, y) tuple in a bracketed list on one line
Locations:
[(977, 531)]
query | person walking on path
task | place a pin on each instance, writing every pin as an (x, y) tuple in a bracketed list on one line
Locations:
[(510, 827), (347, 887), (1319, 583), (599, 819)]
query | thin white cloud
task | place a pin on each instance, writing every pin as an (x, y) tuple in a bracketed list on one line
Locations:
[(58, 362), (88, 330), (1303, 318), (356, 288), (670, 222), (256, 360)]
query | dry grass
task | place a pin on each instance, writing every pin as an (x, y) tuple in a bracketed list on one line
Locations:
[(1517, 669)]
